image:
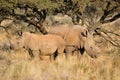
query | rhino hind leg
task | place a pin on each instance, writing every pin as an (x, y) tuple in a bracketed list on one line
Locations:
[(55, 54)]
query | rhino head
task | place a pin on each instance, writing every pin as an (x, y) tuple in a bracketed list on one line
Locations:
[(18, 43), (89, 44)]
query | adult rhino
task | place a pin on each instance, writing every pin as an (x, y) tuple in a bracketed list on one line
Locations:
[(40, 45), (76, 38)]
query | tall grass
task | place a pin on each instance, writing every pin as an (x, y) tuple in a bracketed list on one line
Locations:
[(18, 67), (15, 65)]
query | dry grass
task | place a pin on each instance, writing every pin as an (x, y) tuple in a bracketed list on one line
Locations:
[(16, 66)]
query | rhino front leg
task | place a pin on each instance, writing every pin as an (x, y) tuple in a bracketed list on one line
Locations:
[(36, 55), (69, 51), (31, 54), (80, 53)]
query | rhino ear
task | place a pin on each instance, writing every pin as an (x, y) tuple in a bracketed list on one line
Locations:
[(84, 33), (20, 33)]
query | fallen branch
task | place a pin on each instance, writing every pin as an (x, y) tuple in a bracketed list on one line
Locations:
[(107, 37)]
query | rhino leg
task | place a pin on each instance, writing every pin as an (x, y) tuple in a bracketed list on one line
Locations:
[(60, 50), (53, 57), (81, 51), (31, 54), (36, 55), (69, 51)]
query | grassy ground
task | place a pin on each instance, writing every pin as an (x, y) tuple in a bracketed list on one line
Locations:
[(15, 65)]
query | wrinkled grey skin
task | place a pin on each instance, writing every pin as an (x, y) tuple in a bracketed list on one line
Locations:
[(77, 39), (59, 30), (41, 45)]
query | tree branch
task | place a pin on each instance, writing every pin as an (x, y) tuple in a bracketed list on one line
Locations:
[(31, 21), (104, 34), (108, 12), (112, 19), (38, 25), (111, 41)]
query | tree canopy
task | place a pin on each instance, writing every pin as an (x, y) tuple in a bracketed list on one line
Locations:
[(90, 12)]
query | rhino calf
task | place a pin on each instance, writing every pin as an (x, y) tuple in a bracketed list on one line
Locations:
[(41, 45)]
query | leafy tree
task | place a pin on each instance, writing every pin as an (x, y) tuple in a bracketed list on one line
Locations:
[(91, 13)]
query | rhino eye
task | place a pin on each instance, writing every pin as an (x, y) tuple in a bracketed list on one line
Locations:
[(91, 47)]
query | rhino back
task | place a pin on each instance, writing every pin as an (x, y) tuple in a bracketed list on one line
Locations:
[(72, 37), (60, 30), (50, 43), (30, 40)]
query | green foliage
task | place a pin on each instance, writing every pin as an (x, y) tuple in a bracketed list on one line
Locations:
[(41, 4), (51, 5), (88, 11), (5, 4)]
